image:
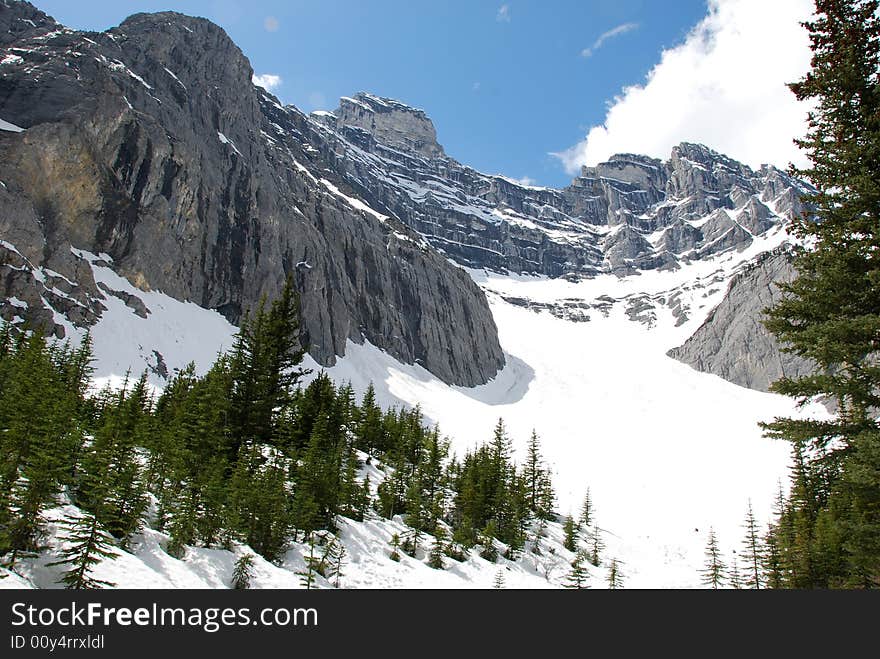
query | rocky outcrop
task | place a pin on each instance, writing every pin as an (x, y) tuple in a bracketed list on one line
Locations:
[(733, 343), (149, 143), (629, 214)]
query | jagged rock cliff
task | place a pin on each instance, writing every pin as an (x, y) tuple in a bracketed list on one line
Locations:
[(149, 143), (629, 214), (732, 343)]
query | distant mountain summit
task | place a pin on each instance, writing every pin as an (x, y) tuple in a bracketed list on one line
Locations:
[(150, 144), (149, 147)]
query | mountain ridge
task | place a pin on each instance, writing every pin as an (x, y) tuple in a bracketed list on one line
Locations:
[(153, 146)]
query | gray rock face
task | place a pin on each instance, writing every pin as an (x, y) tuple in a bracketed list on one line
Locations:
[(629, 214), (150, 143), (733, 343), (390, 122)]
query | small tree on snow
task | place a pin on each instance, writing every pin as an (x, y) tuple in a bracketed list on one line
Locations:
[(596, 547), (499, 580), (570, 529), (615, 576), (89, 545), (242, 573), (713, 570), (587, 510), (579, 577)]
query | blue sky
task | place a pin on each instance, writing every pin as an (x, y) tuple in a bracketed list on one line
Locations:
[(506, 83)]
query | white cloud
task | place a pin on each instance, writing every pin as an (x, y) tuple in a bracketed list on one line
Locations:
[(525, 180), (271, 24), (476, 86), (268, 81), (724, 86), (503, 15), (610, 34)]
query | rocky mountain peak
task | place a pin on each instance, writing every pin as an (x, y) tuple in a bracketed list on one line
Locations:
[(150, 144), (389, 122), (18, 18), (196, 50), (640, 171)]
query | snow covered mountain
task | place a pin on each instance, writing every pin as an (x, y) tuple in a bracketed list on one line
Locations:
[(152, 194)]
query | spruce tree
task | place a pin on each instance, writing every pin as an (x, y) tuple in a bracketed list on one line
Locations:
[(733, 573), (831, 311), (713, 572), (498, 584), (242, 572), (596, 547), (578, 578), (395, 547), (570, 528), (435, 556), (752, 547), (586, 518), (88, 545), (615, 575)]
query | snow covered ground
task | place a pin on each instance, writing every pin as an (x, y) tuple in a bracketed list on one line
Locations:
[(367, 562), (666, 451)]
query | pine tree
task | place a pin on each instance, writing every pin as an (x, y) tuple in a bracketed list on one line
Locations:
[(615, 575), (490, 551), (499, 580), (265, 367), (733, 573), (395, 547), (334, 558), (88, 544), (586, 518), (831, 311), (570, 529), (596, 547), (579, 576), (714, 568), (307, 575), (752, 546), (435, 556), (242, 573), (540, 495), (370, 430)]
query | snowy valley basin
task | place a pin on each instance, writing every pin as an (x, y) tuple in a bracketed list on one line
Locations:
[(666, 451)]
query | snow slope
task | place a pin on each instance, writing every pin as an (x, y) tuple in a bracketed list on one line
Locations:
[(666, 451), (367, 562)]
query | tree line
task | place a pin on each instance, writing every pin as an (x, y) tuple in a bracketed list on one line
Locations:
[(243, 454)]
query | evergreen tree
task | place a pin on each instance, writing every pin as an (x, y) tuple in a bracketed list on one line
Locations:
[(370, 429), (579, 576), (242, 572), (334, 558), (395, 547), (40, 432), (831, 311), (615, 575), (733, 573), (596, 547), (498, 584), (88, 545), (307, 575), (586, 518), (570, 529), (435, 557), (752, 546), (265, 367), (537, 479), (714, 568)]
